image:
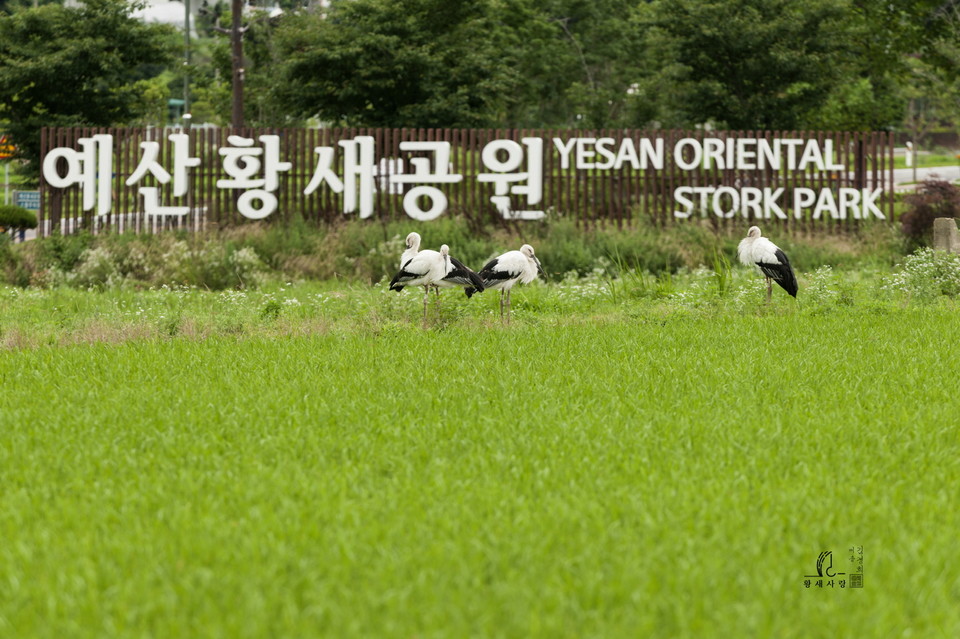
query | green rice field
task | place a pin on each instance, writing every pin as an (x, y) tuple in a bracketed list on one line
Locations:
[(630, 457)]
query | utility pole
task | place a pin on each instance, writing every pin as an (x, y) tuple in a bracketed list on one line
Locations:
[(186, 65), (236, 32), (236, 46)]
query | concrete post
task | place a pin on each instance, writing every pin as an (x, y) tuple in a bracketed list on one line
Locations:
[(945, 235)]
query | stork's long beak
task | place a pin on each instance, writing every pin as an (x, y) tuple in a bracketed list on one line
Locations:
[(540, 268)]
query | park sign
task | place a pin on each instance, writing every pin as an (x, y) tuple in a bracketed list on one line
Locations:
[(225, 175), (29, 200)]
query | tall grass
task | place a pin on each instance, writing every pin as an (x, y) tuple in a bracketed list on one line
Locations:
[(722, 273), (247, 256)]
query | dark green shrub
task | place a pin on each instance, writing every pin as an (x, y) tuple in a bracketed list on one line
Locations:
[(276, 242), (932, 199), (17, 218), (562, 248), (63, 251)]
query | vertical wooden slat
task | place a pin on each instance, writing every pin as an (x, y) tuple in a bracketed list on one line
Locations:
[(125, 168), (119, 204), (657, 178), (600, 182), (646, 185), (564, 185), (226, 197), (396, 200), (450, 190), (43, 212), (325, 138), (890, 180), (595, 190), (792, 177), (626, 175), (551, 200), (333, 200), (575, 173), (304, 169), (66, 196), (877, 155), (166, 193), (469, 181), (284, 199), (206, 205), (459, 158), (217, 208), (483, 190), (817, 176), (620, 193), (720, 174), (67, 137), (131, 220), (306, 165), (330, 202), (669, 179), (210, 178), (311, 203), (380, 184)]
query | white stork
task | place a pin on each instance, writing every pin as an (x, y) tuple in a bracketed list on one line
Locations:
[(413, 247), (506, 270), (458, 275), (431, 268), (755, 250)]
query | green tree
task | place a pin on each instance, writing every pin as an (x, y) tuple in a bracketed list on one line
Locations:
[(577, 60), (933, 86), (932, 101), (9, 6), (15, 218), (882, 36), (518, 63), (891, 50), (741, 64), (64, 66), (862, 102), (415, 63)]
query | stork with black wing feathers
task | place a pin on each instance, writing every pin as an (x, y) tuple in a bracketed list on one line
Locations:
[(756, 250)]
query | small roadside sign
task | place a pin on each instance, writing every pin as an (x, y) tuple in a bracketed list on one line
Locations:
[(27, 200), (6, 148)]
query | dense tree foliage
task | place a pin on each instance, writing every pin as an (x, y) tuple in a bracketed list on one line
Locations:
[(64, 66), (748, 64), (744, 64), (392, 62), (577, 60)]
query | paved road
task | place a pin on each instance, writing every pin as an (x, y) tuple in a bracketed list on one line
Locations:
[(903, 176)]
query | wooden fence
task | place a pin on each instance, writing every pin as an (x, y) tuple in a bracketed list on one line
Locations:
[(620, 196)]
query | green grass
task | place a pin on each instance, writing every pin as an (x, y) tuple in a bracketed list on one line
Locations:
[(629, 458), (924, 160)]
